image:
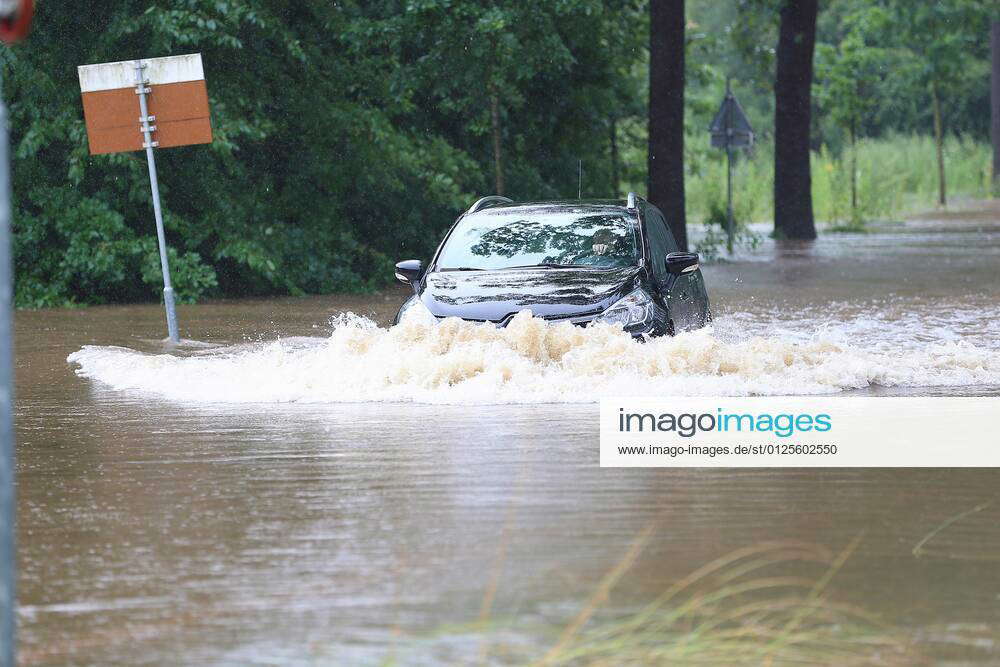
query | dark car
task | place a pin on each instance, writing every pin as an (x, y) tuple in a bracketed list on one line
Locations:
[(572, 261)]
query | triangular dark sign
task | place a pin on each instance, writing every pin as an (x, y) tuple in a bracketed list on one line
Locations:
[(731, 123)]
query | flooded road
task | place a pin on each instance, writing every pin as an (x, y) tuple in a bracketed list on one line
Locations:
[(304, 488)]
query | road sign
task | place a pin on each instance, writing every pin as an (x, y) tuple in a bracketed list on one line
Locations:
[(730, 129), (145, 104), (15, 19), (177, 97)]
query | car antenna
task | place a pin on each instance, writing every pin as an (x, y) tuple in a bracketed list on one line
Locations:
[(579, 189)]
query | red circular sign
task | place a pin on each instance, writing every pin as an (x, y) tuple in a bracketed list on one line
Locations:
[(15, 27)]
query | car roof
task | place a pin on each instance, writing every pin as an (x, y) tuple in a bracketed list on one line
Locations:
[(558, 206)]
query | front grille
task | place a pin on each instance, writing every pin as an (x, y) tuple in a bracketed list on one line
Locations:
[(579, 320)]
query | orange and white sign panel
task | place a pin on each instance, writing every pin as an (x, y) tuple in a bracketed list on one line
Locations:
[(178, 99)]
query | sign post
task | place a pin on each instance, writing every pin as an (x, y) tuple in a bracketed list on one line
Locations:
[(172, 111), (7, 499), (154, 185), (15, 22), (730, 129)]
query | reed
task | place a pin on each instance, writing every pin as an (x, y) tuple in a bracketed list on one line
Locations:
[(766, 604), (771, 603)]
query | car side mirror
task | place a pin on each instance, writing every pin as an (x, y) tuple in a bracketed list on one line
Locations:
[(680, 263), (409, 271)]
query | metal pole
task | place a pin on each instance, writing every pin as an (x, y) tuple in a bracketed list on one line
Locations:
[(729, 168), (168, 291), (995, 101), (7, 472)]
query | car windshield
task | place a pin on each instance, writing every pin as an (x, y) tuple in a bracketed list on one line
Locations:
[(509, 238)]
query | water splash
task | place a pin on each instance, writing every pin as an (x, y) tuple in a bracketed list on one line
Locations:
[(532, 361)]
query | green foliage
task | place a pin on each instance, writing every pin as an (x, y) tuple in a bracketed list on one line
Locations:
[(78, 250), (867, 77), (896, 176), (919, 37), (347, 136), (849, 72), (943, 54)]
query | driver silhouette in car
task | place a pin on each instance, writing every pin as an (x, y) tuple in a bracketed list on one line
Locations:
[(604, 250)]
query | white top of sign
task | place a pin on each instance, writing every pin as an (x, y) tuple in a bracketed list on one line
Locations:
[(110, 76)]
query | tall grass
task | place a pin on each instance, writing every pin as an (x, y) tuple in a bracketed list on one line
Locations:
[(897, 175), (767, 604), (771, 603)]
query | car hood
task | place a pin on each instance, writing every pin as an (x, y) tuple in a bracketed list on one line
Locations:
[(548, 292)]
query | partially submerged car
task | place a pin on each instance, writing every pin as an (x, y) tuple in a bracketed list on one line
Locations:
[(565, 261)]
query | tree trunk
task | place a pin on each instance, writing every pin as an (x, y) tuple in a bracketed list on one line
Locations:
[(615, 169), (939, 141), (666, 113), (995, 96), (497, 141), (793, 210)]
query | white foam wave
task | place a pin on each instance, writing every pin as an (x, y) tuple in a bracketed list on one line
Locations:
[(531, 361)]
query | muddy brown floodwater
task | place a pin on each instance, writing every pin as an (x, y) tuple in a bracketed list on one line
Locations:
[(296, 489)]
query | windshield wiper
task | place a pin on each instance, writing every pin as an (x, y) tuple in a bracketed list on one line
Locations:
[(552, 265), (461, 268)]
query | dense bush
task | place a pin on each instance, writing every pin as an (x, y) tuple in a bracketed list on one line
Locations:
[(347, 135)]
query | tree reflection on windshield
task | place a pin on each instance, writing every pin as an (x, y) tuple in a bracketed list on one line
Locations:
[(507, 239)]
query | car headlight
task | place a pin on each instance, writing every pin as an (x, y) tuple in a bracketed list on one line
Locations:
[(414, 307), (636, 308)]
